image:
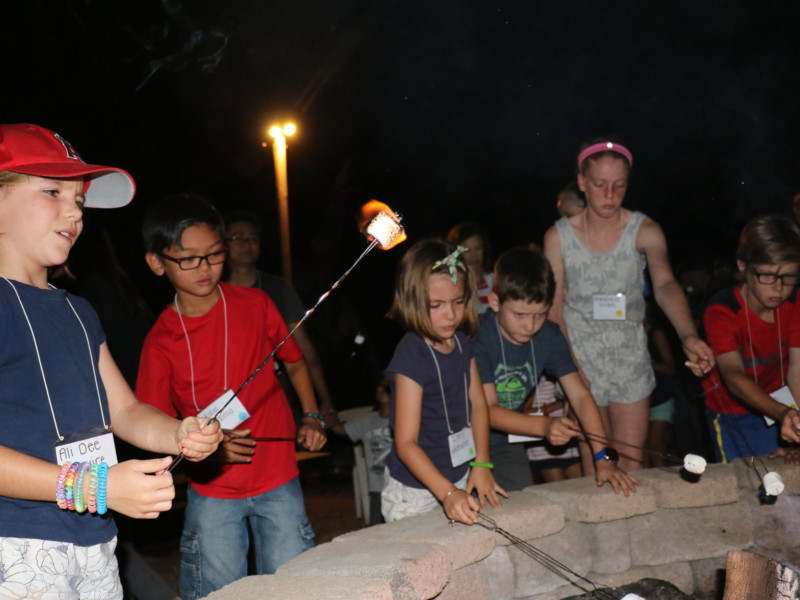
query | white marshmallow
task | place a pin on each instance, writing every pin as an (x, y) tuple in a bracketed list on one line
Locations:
[(385, 228), (632, 597), (773, 484), (694, 464)]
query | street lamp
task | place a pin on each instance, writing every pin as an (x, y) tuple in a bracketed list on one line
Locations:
[(279, 134)]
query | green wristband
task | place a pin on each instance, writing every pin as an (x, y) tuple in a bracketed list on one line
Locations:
[(480, 464)]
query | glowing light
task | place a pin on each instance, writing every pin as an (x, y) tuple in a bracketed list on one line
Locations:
[(694, 464), (282, 131), (378, 222)]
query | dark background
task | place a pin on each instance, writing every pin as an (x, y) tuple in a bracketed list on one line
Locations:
[(458, 110)]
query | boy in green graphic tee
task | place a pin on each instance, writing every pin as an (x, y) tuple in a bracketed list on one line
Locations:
[(516, 344)]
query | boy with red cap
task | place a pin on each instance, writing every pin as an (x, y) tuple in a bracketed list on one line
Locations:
[(62, 391)]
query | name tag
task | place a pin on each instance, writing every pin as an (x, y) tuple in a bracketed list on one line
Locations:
[(514, 438), (462, 446), (608, 307), (784, 396), (233, 415), (94, 446)]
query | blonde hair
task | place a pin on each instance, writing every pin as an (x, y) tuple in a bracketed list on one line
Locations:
[(11, 178), (411, 305)]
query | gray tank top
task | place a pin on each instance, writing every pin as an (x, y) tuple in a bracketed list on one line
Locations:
[(587, 273)]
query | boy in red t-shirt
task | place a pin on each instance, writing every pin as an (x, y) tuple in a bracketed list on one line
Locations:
[(754, 330), (203, 346)]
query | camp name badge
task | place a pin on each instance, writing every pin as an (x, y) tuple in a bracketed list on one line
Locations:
[(233, 415), (95, 445), (608, 307), (462, 446), (784, 396)]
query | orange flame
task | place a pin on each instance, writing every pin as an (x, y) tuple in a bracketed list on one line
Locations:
[(368, 213)]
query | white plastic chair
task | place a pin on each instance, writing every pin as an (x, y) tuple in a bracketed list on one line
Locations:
[(360, 475)]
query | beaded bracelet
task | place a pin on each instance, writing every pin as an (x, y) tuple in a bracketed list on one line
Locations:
[(61, 498), (80, 505), (91, 502), (102, 476), (69, 483)]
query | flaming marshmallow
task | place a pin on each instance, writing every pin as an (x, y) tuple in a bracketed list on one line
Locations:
[(773, 484), (694, 464), (385, 228)]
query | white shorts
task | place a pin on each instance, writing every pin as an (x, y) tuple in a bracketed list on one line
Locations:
[(399, 500), (48, 570)]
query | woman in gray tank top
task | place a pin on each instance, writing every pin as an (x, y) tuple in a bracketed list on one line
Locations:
[(598, 258)]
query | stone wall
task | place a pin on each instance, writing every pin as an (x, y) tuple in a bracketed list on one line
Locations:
[(670, 529)]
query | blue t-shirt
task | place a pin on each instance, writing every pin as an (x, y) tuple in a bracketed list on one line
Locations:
[(510, 366), (27, 423), (413, 358)]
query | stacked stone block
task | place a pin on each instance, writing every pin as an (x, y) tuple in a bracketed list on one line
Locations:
[(670, 529)]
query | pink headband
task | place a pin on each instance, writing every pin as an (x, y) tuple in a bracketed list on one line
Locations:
[(605, 147)]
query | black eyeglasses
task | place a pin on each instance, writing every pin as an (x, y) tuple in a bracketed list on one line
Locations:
[(789, 279), (192, 262)]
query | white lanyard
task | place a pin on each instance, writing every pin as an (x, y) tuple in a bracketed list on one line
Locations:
[(533, 356), (750, 341), (441, 387), (41, 367), (189, 345)]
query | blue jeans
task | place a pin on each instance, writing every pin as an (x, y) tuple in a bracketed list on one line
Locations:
[(741, 436), (214, 544)]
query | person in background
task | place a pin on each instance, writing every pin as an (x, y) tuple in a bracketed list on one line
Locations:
[(662, 400), (550, 463), (570, 200), (796, 208), (243, 236), (478, 258), (373, 431)]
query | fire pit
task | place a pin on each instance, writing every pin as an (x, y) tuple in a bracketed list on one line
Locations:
[(670, 530)]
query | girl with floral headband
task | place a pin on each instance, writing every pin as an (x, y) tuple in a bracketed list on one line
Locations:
[(438, 412)]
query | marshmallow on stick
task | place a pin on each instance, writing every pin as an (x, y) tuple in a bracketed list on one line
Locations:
[(773, 484), (382, 225), (694, 464)]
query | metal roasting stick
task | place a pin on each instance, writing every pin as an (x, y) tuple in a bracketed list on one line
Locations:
[(383, 233), (602, 438), (550, 562)]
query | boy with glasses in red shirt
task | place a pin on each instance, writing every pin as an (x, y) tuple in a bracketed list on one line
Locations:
[(754, 330)]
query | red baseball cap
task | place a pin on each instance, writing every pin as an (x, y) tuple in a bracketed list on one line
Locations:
[(33, 150)]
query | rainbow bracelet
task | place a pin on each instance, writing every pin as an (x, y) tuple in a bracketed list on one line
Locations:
[(92, 495), (69, 483), (80, 505), (61, 498), (102, 476)]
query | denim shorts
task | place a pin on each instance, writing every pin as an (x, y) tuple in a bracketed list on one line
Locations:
[(214, 544)]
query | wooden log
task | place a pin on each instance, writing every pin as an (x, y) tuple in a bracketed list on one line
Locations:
[(750, 576)]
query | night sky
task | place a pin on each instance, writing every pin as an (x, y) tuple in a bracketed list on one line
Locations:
[(458, 110)]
